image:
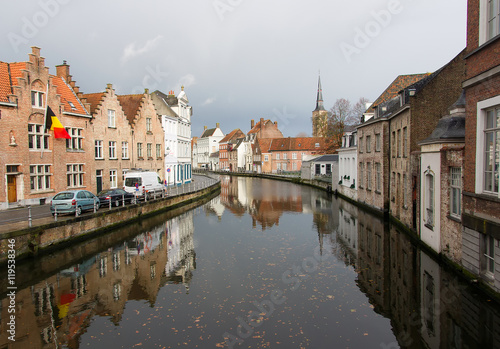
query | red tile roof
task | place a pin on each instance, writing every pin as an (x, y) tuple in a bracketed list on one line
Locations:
[(130, 105), (257, 127), (69, 99), (234, 134), (264, 144), (94, 99), (401, 82), (298, 144), (9, 72)]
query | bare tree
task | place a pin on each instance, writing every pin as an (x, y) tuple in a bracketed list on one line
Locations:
[(358, 109)]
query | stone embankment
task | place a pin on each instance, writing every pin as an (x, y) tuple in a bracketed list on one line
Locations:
[(56, 235)]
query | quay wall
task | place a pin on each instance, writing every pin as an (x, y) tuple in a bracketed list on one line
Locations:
[(46, 238)]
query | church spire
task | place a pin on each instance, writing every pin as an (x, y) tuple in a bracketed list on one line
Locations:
[(319, 99)]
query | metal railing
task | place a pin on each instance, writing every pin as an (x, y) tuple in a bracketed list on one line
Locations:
[(20, 218)]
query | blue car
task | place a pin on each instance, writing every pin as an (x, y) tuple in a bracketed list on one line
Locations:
[(72, 201)]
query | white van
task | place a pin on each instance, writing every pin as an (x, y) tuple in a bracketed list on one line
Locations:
[(142, 183)]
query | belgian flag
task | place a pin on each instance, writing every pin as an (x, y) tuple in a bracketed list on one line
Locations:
[(53, 123)]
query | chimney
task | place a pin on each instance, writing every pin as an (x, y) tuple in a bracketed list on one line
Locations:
[(276, 123), (217, 125), (204, 128), (252, 123), (63, 71), (261, 122)]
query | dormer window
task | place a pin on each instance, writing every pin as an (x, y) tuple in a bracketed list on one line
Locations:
[(317, 145), (37, 99), (72, 105)]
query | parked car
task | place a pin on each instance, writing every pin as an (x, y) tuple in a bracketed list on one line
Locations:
[(143, 183), (116, 196), (71, 201)]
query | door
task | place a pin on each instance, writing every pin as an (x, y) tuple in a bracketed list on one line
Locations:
[(12, 190), (98, 175)]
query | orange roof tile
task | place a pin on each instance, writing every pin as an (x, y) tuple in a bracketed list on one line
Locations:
[(5, 87), (234, 134), (94, 99), (264, 144), (15, 71), (69, 99), (298, 144), (401, 82), (130, 105)]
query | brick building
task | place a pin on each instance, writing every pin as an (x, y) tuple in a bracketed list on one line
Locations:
[(481, 196), (225, 147), (421, 106), (374, 145), (111, 133), (33, 164), (264, 129), (148, 141)]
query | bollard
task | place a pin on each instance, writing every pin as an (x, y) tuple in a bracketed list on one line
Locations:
[(55, 213), (154, 195), (145, 196), (76, 211), (30, 219), (109, 203), (123, 200), (95, 205)]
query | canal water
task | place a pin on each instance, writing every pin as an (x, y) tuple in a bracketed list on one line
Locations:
[(266, 264)]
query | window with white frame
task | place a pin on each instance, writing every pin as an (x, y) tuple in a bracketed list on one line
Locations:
[(112, 150), (277, 156), (98, 149), (37, 138), (124, 150), (76, 141), (368, 175), (37, 99), (493, 20), (492, 150), (294, 156), (361, 174), (139, 150), (405, 142), (284, 156), (40, 177), (149, 150), (266, 158), (377, 142), (148, 124), (378, 177), (113, 177), (429, 199), (158, 151), (74, 175), (111, 118), (489, 255), (456, 192)]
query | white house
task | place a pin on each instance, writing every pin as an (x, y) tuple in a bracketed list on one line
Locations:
[(348, 159), (180, 105), (208, 144)]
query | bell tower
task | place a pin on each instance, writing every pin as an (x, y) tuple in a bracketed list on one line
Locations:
[(319, 115)]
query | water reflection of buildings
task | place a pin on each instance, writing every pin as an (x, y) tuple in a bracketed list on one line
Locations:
[(267, 200), (58, 310), (429, 307)]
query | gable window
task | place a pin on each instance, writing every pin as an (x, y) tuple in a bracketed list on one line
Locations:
[(429, 200), (37, 138), (455, 191), (98, 149), (111, 118), (37, 98), (148, 124)]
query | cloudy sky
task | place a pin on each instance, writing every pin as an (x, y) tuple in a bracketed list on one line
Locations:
[(239, 59)]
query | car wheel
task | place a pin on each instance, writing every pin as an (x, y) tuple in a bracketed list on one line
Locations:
[(79, 210)]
